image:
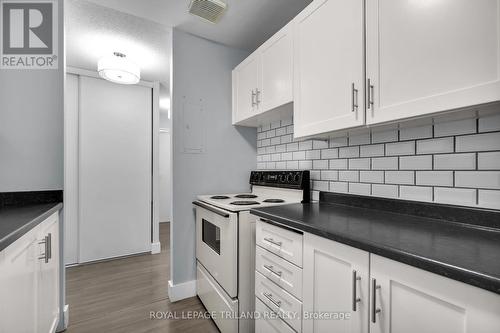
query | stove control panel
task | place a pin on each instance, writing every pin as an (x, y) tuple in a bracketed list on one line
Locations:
[(299, 180)]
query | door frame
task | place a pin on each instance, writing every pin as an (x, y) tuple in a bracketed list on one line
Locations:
[(71, 168)]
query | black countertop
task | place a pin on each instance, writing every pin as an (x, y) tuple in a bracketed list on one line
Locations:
[(464, 252), (15, 221)]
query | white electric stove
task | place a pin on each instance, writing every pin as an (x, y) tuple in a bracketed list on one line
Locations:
[(225, 244)]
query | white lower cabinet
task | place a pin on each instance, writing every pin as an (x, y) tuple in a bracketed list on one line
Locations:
[(267, 321), (411, 300), (335, 287), (29, 281)]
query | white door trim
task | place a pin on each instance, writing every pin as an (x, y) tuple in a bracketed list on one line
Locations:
[(71, 169)]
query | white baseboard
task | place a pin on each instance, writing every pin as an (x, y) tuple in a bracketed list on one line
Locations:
[(181, 291), (65, 319), (155, 248)]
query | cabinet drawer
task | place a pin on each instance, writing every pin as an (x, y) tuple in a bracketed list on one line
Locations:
[(280, 271), (277, 299), (283, 242), (267, 321)]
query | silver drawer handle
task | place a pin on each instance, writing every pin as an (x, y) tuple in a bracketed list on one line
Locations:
[(355, 298), (375, 310), (270, 297), (45, 256), (271, 269), (272, 241)]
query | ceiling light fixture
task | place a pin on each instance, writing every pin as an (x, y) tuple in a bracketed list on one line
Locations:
[(118, 69)]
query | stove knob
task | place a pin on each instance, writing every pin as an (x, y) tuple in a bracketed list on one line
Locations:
[(282, 178), (289, 177), (296, 178)]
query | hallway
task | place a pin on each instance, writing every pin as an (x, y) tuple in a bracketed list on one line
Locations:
[(118, 296)]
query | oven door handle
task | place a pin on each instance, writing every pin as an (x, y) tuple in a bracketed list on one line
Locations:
[(212, 209)]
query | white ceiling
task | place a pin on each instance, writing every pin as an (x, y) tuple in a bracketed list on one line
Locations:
[(245, 25), (94, 31)]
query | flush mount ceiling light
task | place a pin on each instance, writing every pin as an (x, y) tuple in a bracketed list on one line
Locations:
[(118, 69), (209, 10)]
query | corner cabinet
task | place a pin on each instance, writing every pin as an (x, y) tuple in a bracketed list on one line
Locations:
[(411, 300), (29, 281), (263, 81), (424, 57), (328, 67)]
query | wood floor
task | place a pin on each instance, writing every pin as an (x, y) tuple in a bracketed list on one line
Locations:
[(119, 296)]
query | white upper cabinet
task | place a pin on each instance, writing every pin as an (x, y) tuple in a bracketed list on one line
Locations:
[(411, 300), (427, 56), (328, 67), (263, 81), (246, 88), (336, 279), (277, 70)]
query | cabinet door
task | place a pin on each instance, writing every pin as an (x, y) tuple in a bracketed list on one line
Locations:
[(246, 85), (430, 56), (18, 286), (277, 69), (335, 280), (412, 300), (48, 277), (328, 67)]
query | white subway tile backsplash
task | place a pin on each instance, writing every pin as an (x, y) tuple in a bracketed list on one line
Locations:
[(465, 161), (386, 191), (329, 175), (340, 187), (299, 155), (320, 144), (458, 127), (478, 142), (435, 146), (359, 164), (400, 148), (489, 199), (371, 177), (349, 175), (305, 145), (488, 161), (358, 188), (412, 133), (330, 153), (359, 139), (455, 196), (400, 177), (339, 164), (384, 163), (423, 162), (372, 150), (313, 154), (320, 164), (445, 162), (315, 195), (489, 123), (417, 193), (348, 152), (390, 135), (338, 142), (434, 178), (478, 179)]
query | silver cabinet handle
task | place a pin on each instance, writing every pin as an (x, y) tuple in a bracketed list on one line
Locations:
[(254, 94), (354, 97), (369, 92), (271, 269), (355, 298), (272, 241), (49, 246), (257, 94), (375, 310), (270, 298), (45, 255)]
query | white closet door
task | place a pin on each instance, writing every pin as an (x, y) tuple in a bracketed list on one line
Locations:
[(114, 169)]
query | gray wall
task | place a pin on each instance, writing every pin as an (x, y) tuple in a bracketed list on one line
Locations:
[(202, 71), (31, 126)]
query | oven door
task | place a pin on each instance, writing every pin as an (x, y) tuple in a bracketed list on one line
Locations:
[(217, 244)]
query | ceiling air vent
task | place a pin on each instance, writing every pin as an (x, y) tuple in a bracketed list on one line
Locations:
[(210, 10)]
